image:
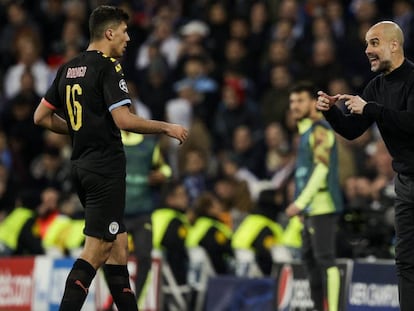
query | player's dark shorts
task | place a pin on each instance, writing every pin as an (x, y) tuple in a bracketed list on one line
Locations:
[(103, 198)]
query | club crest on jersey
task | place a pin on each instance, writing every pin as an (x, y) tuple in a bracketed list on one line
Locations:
[(123, 85), (113, 227)]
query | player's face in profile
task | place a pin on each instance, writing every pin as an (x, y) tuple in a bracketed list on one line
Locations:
[(300, 105), (378, 50), (120, 40)]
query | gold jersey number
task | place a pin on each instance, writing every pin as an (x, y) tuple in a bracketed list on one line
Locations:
[(74, 106)]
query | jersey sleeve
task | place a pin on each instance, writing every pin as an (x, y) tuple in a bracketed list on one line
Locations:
[(52, 98), (115, 88)]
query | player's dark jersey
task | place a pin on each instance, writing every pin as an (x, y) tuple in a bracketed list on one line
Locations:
[(87, 89)]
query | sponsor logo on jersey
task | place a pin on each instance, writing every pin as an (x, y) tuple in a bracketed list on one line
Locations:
[(113, 227), (76, 72), (123, 85)]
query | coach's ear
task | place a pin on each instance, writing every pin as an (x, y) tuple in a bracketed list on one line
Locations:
[(394, 46)]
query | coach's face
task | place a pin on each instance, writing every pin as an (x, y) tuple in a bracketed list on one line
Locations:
[(378, 49), (119, 40)]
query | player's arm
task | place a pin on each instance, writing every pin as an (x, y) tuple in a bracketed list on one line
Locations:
[(45, 116), (127, 121), (117, 99)]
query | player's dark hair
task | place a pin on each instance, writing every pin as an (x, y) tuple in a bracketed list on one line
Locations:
[(305, 86), (103, 17)]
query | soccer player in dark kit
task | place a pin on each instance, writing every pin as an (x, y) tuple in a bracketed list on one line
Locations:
[(93, 95), (387, 100)]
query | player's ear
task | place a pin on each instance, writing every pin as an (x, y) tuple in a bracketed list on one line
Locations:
[(109, 34)]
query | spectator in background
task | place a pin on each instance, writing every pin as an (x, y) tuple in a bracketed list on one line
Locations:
[(170, 229), (25, 139), (355, 64), (194, 173), (71, 206), (155, 89), (347, 152), (7, 191), (260, 233), (248, 152), (18, 235), (72, 35), (292, 11), (180, 110), (277, 149), (319, 30), (59, 141), (193, 33), (139, 107), (403, 15), (193, 45), (234, 194), (209, 232), (235, 109), (52, 17), (259, 22), (239, 29), (77, 11), (196, 73), (217, 20), (28, 51), (274, 100), (236, 57), (277, 54), (6, 159), (51, 169), (323, 64), (19, 21), (369, 203), (163, 33), (363, 12), (155, 58), (51, 223), (335, 12), (138, 34)]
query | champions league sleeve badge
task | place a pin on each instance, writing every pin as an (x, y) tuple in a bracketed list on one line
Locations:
[(123, 85)]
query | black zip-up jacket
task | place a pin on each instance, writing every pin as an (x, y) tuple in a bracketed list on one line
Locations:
[(390, 103)]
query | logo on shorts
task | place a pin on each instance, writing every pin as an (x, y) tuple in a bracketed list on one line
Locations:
[(113, 227), (123, 85)]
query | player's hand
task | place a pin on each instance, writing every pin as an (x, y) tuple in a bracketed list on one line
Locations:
[(292, 210), (325, 101), (177, 131), (355, 104)]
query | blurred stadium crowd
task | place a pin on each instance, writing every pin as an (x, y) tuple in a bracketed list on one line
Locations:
[(221, 68)]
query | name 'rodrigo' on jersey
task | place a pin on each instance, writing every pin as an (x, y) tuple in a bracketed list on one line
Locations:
[(87, 89)]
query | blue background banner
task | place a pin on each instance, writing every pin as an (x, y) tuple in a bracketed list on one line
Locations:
[(373, 287), (226, 293)]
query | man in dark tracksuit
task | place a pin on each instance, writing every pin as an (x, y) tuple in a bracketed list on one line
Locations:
[(388, 100)]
